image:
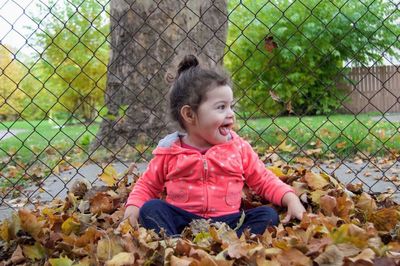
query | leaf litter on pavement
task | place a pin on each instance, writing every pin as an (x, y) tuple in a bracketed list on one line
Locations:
[(344, 226)]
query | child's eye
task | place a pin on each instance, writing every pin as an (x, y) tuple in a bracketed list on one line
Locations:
[(221, 107)]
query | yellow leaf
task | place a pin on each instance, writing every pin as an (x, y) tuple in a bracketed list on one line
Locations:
[(107, 248), (121, 259), (109, 175), (5, 231), (63, 261), (316, 196), (350, 233), (276, 170), (70, 225), (286, 147), (35, 252)]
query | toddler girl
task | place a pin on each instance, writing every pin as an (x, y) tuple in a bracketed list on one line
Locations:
[(204, 169)]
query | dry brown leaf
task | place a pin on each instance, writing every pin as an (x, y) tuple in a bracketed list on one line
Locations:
[(17, 257), (366, 203), (180, 261), (30, 223), (384, 219), (315, 181), (332, 256), (305, 161), (366, 257), (121, 259), (345, 205), (328, 204), (293, 257), (101, 203), (108, 247)]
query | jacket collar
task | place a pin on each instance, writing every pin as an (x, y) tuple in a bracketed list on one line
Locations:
[(171, 144)]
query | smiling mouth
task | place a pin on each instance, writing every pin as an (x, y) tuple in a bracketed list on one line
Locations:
[(224, 129)]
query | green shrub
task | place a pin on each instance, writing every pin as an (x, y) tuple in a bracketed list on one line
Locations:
[(314, 40)]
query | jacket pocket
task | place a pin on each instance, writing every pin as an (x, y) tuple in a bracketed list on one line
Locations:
[(234, 193), (178, 192)]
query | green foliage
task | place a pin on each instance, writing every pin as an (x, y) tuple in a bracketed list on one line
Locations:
[(316, 42), (72, 65), (11, 73)]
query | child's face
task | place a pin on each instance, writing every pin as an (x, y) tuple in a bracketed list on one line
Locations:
[(214, 118)]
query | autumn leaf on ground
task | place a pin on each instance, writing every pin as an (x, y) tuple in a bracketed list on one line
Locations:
[(121, 259), (286, 147), (62, 261), (347, 226), (30, 223), (385, 219), (109, 175), (101, 203), (316, 181)]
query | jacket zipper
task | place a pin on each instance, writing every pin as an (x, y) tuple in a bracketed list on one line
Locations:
[(205, 166)]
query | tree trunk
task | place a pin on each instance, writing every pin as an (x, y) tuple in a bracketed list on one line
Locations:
[(147, 40)]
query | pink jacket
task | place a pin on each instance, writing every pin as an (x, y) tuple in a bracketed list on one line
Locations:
[(208, 185)]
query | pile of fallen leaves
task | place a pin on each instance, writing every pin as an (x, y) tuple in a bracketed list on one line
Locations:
[(344, 226)]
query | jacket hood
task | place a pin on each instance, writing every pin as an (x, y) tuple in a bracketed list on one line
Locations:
[(170, 144)]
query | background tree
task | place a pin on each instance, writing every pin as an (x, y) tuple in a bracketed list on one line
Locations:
[(289, 56), (146, 39), (11, 74), (71, 65)]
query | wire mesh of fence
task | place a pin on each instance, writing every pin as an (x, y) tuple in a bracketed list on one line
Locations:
[(83, 85)]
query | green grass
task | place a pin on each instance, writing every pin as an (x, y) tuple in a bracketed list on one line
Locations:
[(344, 135), (38, 136), (44, 146)]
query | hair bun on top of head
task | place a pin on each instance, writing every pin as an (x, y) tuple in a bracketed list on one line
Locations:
[(187, 62)]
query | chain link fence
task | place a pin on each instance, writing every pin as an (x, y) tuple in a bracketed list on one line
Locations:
[(316, 83)]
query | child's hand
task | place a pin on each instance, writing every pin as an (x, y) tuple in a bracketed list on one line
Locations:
[(132, 213), (294, 206)]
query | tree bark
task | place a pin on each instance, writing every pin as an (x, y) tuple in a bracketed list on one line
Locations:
[(147, 40)]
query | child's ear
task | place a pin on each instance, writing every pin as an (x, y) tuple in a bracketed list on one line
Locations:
[(187, 114)]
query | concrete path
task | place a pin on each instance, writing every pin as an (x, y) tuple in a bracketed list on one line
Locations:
[(5, 134)]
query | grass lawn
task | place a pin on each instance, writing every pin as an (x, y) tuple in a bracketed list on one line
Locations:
[(38, 137), (43, 146), (342, 134)]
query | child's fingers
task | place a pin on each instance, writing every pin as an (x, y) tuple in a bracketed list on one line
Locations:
[(286, 219)]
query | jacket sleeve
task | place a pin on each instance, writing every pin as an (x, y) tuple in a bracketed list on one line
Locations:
[(261, 180), (150, 184)]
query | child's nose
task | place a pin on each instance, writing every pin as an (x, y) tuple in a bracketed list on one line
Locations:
[(231, 113)]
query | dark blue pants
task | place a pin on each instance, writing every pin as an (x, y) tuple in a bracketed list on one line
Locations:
[(156, 214)]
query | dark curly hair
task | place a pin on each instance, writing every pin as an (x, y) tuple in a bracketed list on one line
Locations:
[(191, 84)]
